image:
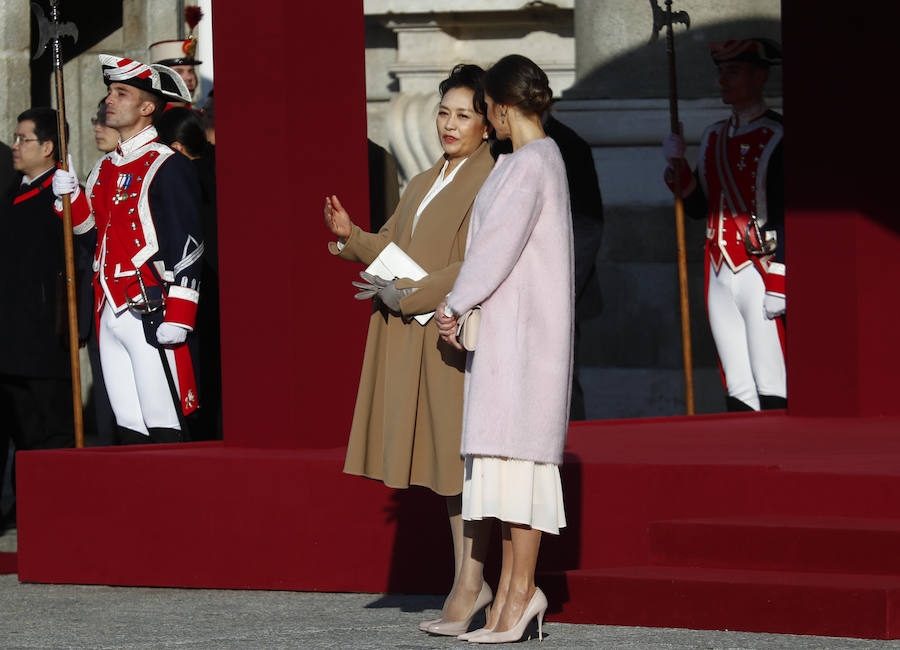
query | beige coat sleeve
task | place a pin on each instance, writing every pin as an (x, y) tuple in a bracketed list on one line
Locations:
[(362, 246)]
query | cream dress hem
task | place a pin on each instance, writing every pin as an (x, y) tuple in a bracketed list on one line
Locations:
[(515, 491)]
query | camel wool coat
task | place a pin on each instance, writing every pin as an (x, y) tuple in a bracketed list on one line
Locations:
[(520, 267), (408, 415)]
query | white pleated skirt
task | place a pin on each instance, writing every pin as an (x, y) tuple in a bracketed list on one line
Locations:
[(512, 490)]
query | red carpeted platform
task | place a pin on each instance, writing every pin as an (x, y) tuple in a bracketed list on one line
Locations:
[(760, 523), (8, 563), (755, 522)]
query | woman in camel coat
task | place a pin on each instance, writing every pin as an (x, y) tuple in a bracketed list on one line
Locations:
[(408, 416)]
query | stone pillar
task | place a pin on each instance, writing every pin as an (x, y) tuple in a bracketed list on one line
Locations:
[(15, 94), (148, 21)]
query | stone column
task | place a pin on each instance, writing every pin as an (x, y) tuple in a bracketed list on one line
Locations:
[(147, 21), (15, 94)]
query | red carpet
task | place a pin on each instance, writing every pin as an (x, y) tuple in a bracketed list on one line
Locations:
[(7, 563), (754, 522)]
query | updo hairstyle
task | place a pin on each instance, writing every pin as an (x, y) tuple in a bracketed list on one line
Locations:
[(180, 124), (469, 76), (517, 81)]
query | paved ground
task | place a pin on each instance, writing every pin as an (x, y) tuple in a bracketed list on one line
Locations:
[(73, 616)]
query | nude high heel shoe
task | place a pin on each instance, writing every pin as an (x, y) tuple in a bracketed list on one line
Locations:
[(537, 606), (455, 628), (474, 633), (424, 625)]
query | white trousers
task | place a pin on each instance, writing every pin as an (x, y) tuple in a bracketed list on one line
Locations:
[(134, 376), (747, 342)]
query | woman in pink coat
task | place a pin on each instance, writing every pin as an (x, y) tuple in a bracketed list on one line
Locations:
[(519, 268)]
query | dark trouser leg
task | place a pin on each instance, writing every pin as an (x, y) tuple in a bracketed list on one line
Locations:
[(56, 419), (37, 414), (41, 411), (577, 410), (6, 424), (768, 402)]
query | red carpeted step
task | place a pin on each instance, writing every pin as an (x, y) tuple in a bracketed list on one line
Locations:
[(8, 563), (780, 542), (863, 606)]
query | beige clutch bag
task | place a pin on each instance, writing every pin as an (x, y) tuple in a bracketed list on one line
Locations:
[(467, 330)]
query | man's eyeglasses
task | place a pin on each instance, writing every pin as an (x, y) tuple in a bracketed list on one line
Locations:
[(18, 138)]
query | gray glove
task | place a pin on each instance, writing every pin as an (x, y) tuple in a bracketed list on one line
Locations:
[(369, 287), (373, 286), (391, 296)]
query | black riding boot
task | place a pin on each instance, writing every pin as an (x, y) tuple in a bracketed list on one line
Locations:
[(163, 435), (768, 402), (734, 404), (126, 436)]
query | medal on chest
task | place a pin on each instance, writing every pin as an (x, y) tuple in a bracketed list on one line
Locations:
[(122, 186), (741, 163)]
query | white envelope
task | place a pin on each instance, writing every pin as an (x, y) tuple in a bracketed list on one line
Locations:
[(393, 262)]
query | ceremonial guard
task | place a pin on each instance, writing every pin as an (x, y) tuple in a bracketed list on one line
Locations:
[(179, 54), (143, 199), (738, 186)]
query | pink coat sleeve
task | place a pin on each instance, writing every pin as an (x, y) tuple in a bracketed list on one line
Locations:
[(506, 211)]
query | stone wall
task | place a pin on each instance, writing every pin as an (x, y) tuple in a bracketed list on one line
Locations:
[(14, 70)]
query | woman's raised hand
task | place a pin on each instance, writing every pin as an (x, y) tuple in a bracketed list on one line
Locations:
[(336, 218), (446, 325)]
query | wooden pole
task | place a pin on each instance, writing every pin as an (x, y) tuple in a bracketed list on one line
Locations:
[(679, 223), (68, 240)]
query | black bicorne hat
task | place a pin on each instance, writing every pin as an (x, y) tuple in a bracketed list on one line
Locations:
[(154, 78), (760, 51)]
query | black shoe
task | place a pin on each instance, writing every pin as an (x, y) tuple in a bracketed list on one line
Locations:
[(734, 404), (163, 435), (125, 436), (769, 402)]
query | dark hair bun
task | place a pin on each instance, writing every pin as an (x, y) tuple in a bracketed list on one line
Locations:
[(537, 100), (469, 76), (516, 80)]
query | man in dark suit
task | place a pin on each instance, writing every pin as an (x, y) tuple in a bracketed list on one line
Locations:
[(8, 175), (35, 380)]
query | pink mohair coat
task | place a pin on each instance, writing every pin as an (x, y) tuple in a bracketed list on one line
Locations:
[(519, 267)]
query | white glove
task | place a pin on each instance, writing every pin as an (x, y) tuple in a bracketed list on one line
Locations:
[(673, 147), (773, 306), (171, 334), (65, 182)]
